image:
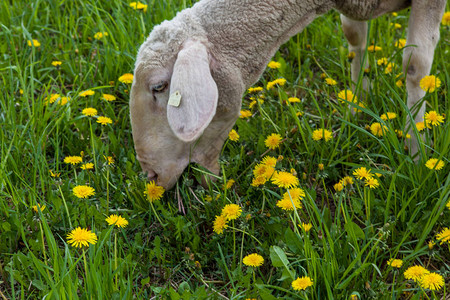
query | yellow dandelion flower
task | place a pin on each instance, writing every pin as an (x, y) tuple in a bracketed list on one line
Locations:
[(320, 167), (109, 159), (255, 89), (273, 141), (288, 204), (431, 245), (448, 205), (373, 48), (433, 118), (260, 170), (295, 193), (347, 180), (395, 263), (330, 81), (351, 55), (372, 183), (108, 97), (274, 65), (382, 61), (446, 19), (64, 100), (231, 211), (420, 126), (56, 63), (302, 283), (319, 134), (284, 180), (399, 83), (229, 183), (394, 14), (87, 166), (100, 35), (89, 112), (293, 100), (362, 173), (35, 207), (347, 96), (389, 68), (86, 93), (338, 186), (34, 43), (257, 181), (52, 98), (305, 226), (245, 114), (55, 175), (126, 78), (83, 191), (220, 223), (233, 135), (119, 221), (401, 43), (415, 273), (154, 192), (253, 260), (269, 171), (443, 236), (388, 116), (81, 237), (377, 129), (269, 161), (432, 281), (434, 164), (104, 120), (430, 83), (139, 6), (279, 81), (73, 160)]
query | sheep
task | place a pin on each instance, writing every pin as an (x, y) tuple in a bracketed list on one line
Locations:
[(191, 72)]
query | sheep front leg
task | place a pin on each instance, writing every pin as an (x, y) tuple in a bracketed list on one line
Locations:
[(421, 41), (356, 34)]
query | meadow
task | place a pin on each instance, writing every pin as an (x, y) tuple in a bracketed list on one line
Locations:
[(313, 201)]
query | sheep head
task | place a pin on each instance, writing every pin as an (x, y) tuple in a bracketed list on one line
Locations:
[(174, 99)]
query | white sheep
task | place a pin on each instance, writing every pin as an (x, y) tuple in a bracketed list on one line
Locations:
[(208, 55)]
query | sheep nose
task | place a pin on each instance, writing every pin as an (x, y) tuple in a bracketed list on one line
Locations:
[(152, 176)]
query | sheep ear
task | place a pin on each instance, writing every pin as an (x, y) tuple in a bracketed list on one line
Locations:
[(193, 93)]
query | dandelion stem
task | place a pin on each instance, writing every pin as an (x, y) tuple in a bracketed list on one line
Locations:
[(107, 190), (93, 145), (234, 245), (43, 247), (65, 205), (85, 269), (156, 214), (242, 251), (115, 259)]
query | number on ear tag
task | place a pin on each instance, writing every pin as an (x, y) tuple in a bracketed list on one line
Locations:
[(175, 99)]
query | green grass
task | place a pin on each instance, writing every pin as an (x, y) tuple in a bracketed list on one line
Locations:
[(166, 254)]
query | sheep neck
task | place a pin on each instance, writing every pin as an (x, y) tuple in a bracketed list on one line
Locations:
[(250, 42)]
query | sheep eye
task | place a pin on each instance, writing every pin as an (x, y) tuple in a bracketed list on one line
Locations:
[(159, 87)]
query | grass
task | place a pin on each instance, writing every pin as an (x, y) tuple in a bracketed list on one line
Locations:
[(168, 251)]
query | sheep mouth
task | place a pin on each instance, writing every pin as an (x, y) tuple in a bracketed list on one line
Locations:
[(152, 177)]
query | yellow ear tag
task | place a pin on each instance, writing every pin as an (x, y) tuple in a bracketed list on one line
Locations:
[(175, 99)]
